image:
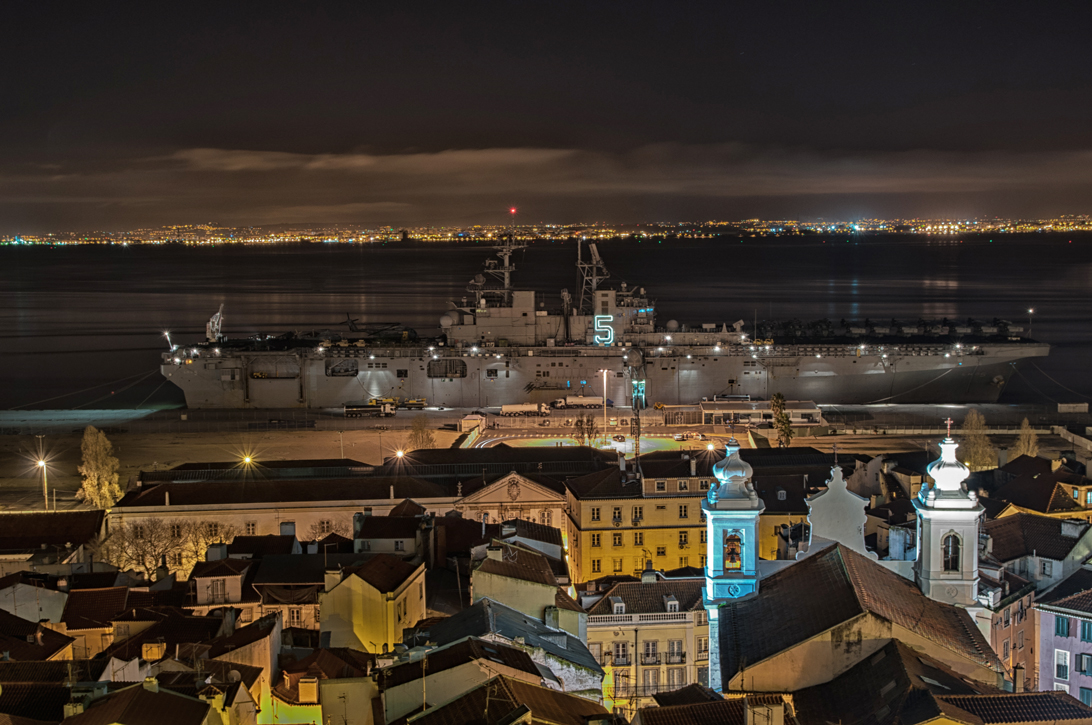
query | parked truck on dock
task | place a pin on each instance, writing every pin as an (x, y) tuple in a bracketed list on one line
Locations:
[(579, 401), (525, 409), (369, 410)]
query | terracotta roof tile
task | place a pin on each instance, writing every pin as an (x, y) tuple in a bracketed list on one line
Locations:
[(692, 694), (839, 585), (54, 672), (94, 608), (496, 699), (519, 563), (20, 639), (138, 706), (721, 712), (1038, 492), (1023, 534), (1024, 707), (531, 530), (648, 597), (221, 568), (562, 600), (408, 507), (23, 531), (384, 572), (1074, 593)]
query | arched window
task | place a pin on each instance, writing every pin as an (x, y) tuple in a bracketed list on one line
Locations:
[(951, 553), (733, 553)]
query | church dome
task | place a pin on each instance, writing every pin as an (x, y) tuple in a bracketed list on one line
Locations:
[(947, 471), (732, 469)]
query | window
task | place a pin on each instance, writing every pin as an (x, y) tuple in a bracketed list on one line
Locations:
[(703, 485), (621, 652), (1061, 664), (1020, 639), (176, 531), (621, 684), (596, 650), (661, 551), (1086, 696), (703, 559), (596, 539), (399, 545), (639, 538), (1005, 618), (365, 545), (616, 513), (175, 559), (212, 529), (617, 565), (1086, 631), (1088, 497), (251, 528), (138, 531), (702, 535), (246, 614), (684, 561), (781, 495), (638, 513), (446, 368), (288, 528), (676, 678), (595, 513), (661, 486), (1046, 568), (701, 516), (1005, 650), (616, 538), (701, 617), (218, 590), (652, 681), (1061, 626), (684, 538), (1084, 664), (703, 676), (596, 565), (703, 645), (548, 518), (490, 373), (652, 647), (295, 616), (683, 511), (950, 547), (684, 485), (1060, 687), (733, 552), (404, 373), (324, 526)]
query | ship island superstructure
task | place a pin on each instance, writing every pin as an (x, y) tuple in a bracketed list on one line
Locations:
[(500, 345)]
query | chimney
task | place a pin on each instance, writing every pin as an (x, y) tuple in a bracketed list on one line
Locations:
[(392, 491), (166, 498), (151, 684), (309, 691), (72, 708), (1018, 678), (693, 466), (621, 462), (161, 571), (648, 576), (493, 552)]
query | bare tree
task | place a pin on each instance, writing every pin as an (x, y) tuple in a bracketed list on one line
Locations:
[(99, 470), (322, 529), (144, 545), (585, 429), (1028, 442), (420, 435)]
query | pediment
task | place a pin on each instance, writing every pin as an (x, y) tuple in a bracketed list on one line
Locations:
[(512, 489)]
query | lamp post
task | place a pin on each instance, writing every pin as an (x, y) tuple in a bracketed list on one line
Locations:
[(45, 483), (1031, 312), (604, 371)]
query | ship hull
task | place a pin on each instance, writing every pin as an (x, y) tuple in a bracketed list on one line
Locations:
[(500, 376)]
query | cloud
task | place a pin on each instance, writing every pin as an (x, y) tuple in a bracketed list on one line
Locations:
[(465, 186)]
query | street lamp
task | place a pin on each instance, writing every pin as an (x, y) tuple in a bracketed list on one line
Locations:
[(604, 371), (45, 483), (1031, 311)]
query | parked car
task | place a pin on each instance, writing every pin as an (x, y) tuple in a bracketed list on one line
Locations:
[(680, 436), (620, 438)]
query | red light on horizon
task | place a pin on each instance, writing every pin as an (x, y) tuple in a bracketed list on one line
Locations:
[(512, 210)]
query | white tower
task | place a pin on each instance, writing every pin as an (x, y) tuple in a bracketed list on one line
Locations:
[(947, 564), (731, 512)]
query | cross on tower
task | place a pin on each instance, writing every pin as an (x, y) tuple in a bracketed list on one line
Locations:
[(949, 422)]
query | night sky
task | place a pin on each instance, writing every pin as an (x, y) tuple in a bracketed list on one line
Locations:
[(118, 115)]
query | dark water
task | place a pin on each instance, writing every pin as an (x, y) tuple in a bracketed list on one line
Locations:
[(86, 322)]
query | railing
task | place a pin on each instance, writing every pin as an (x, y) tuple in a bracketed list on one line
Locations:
[(676, 658), (620, 692), (702, 656), (624, 661), (634, 618), (652, 659)]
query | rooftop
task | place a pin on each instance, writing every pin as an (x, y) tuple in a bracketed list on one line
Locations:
[(497, 700), (384, 572), (1073, 593), (649, 597), (26, 531), (840, 585), (1023, 534), (255, 547), (22, 640), (137, 705), (459, 653), (519, 563)]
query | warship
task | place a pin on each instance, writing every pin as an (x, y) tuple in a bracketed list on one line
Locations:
[(503, 346)]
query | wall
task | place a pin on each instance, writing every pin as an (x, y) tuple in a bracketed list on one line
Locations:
[(33, 603), (829, 654), (1073, 644), (531, 598), (356, 615), (1020, 636), (233, 590), (348, 701), (443, 686)]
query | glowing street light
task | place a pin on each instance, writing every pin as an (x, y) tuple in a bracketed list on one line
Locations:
[(400, 454)]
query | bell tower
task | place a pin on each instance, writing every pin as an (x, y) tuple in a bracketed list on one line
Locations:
[(731, 512), (946, 568)]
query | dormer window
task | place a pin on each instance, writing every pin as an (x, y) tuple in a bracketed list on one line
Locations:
[(781, 494), (671, 604), (617, 605)]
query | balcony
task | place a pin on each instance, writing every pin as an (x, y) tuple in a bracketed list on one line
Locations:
[(702, 656), (650, 659), (621, 661), (676, 658)]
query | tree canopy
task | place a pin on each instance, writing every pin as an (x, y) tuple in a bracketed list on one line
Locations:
[(99, 470), (1027, 444), (975, 449)]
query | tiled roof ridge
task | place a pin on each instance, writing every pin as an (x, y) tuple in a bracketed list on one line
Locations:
[(867, 604)]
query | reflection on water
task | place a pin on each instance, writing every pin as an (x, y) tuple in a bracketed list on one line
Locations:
[(78, 317)]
